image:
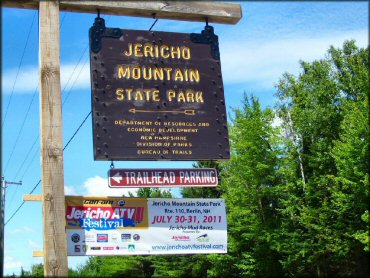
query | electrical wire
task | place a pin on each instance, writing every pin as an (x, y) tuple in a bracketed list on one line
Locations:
[(69, 141), (15, 212), (30, 163), (74, 134), (15, 144), (25, 159), (83, 66), (30, 104), (19, 67), (23, 123), (155, 21), (68, 93), (21, 129), (29, 151), (37, 184), (29, 107)]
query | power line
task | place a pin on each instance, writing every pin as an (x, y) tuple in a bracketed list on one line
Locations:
[(15, 212), (37, 184), (70, 77), (74, 134), (11, 95), (20, 131), (69, 141), (27, 155), (62, 105), (28, 166), (155, 21), (29, 106), (69, 92), (74, 69), (19, 67), (30, 163), (61, 22)]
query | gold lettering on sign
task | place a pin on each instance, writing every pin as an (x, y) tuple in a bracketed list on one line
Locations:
[(147, 74), (137, 94), (158, 74), (164, 51), (155, 51), (153, 73), (137, 50), (188, 95), (123, 72)]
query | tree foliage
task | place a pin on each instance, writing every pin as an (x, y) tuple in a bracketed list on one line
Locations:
[(324, 199)]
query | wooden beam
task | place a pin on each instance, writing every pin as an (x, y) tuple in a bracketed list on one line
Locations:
[(32, 197), (38, 253), (53, 205), (217, 12)]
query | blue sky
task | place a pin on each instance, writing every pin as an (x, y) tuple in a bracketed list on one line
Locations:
[(269, 40)]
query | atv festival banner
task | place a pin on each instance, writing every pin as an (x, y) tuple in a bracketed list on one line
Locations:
[(140, 226)]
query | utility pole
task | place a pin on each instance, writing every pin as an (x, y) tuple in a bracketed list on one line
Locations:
[(2, 204), (4, 184)]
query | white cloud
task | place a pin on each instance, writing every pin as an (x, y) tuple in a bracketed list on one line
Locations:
[(27, 80), (70, 190), (72, 75), (264, 63), (10, 262), (98, 186), (23, 229), (34, 244)]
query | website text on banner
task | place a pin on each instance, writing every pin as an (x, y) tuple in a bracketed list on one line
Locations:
[(139, 226)]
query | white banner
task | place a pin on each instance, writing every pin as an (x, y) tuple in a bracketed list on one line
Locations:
[(138, 226)]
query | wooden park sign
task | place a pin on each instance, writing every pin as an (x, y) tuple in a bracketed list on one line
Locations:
[(157, 95)]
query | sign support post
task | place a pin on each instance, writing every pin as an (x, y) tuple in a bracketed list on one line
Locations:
[(55, 241)]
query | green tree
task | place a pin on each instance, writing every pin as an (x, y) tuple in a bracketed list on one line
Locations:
[(37, 270), (248, 181), (326, 152), (153, 193)]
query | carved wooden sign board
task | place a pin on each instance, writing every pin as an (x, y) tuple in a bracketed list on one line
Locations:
[(157, 95)]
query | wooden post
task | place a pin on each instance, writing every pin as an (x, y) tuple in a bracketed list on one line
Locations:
[(55, 240)]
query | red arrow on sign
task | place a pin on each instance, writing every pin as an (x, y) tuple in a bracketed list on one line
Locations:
[(117, 177)]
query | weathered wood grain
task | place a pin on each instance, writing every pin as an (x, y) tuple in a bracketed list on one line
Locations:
[(217, 12), (55, 239)]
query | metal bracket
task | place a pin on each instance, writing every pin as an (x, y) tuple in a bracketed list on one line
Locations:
[(98, 31), (208, 36)]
